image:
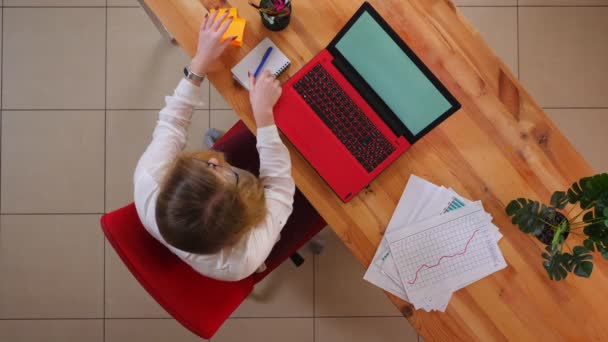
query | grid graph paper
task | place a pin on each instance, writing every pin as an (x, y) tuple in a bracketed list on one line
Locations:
[(445, 250)]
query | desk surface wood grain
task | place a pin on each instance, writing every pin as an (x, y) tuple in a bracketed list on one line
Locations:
[(499, 146)]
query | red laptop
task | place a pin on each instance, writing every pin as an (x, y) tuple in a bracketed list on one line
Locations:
[(360, 103)]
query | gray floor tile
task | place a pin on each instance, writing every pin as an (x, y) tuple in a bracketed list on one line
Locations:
[(562, 2), (142, 66), (52, 162), (52, 266), (286, 292), (485, 2), (147, 330), (385, 329), (79, 3), (584, 129), (223, 120), (339, 286), (266, 330), (498, 26), (562, 62), (54, 58), (52, 331)]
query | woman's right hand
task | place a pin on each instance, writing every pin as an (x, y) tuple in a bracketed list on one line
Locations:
[(210, 47), (264, 94)]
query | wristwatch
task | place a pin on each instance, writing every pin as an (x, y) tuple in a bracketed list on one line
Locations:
[(192, 76)]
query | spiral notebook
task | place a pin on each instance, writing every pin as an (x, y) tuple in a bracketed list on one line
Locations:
[(277, 62)]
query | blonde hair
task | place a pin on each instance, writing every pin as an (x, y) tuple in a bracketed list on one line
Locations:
[(198, 212)]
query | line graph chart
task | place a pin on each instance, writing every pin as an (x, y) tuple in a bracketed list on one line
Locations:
[(425, 266), (444, 251)]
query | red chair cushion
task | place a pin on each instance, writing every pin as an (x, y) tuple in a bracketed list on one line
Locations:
[(201, 304)]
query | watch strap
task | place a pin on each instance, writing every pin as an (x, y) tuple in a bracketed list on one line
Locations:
[(193, 76)]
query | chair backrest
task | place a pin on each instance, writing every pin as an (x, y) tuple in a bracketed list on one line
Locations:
[(201, 304)]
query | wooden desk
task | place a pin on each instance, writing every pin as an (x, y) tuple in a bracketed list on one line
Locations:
[(500, 146)]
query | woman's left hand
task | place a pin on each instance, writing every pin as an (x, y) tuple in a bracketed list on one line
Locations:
[(210, 46)]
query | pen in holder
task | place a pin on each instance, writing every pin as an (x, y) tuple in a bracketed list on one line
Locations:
[(275, 14)]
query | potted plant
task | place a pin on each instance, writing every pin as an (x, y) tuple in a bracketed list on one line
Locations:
[(552, 226), (275, 14)]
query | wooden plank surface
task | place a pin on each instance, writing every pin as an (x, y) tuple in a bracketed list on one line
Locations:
[(500, 146)]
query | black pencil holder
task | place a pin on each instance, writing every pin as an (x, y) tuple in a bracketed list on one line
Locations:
[(275, 22)]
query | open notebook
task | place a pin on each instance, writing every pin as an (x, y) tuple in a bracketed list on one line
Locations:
[(276, 63)]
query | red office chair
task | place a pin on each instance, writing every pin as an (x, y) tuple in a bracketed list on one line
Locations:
[(202, 304)]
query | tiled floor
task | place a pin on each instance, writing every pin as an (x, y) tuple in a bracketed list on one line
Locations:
[(81, 86)]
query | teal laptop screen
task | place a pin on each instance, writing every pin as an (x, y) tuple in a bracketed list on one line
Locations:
[(392, 74)]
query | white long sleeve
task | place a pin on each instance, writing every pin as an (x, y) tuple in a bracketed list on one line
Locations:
[(169, 138)]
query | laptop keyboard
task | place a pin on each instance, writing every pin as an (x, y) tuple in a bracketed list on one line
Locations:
[(345, 119)]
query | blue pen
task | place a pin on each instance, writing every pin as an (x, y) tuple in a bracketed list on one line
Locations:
[(264, 59)]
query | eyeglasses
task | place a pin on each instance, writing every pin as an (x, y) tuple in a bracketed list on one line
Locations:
[(228, 172)]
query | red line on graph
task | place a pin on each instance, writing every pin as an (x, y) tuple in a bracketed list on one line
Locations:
[(443, 257)]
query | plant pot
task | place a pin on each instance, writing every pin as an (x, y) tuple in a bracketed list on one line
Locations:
[(546, 236), (274, 22)]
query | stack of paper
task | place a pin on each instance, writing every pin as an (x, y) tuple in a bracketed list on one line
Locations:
[(436, 243)]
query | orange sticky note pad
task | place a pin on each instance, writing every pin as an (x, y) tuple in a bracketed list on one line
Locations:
[(231, 13), (237, 28)]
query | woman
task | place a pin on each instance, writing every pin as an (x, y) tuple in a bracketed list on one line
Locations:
[(221, 220)]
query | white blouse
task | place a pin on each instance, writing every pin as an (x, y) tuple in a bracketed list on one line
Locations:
[(168, 140)]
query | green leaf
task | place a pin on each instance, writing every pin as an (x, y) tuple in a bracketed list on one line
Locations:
[(581, 262), (559, 199), (597, 232), (575, 193), (593, 188), (528, 215), (513, 207), (588, 190), (605, 254), (556, 264), (601, 206), (584, 269), (588, 243), (588, 216)]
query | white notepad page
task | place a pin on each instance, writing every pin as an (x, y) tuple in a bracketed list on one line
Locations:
[(277, 62)]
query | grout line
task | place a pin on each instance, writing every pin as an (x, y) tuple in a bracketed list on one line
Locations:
[(518, 45), (486, 6), (534, 6), (171, 318), (105, 170), (314, 300), (215, 109), (497, 6), (48, 214), (559, 6), (117, 6), (1, 92), (575, 107), (97, 109), (51, 319)]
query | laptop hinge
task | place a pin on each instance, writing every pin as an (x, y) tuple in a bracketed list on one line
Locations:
[(370, 96)]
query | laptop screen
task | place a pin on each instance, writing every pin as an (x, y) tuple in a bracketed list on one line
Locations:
[(392, 74)]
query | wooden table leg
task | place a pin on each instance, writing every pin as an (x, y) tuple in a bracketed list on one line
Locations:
[(163, 31)]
